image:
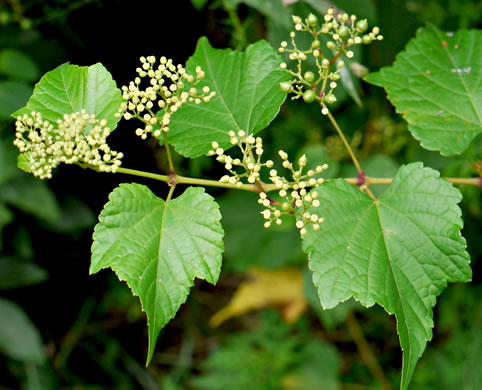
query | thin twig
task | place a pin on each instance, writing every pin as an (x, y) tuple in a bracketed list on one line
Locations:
[(365, 351), (345, 142)]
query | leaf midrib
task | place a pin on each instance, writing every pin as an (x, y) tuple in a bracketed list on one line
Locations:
[(214, 80)]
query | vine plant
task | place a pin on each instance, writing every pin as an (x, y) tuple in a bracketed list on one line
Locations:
[(398, 250)]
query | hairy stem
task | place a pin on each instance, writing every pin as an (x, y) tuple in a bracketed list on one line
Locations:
[(171, 191), (169, 157), (473, 181), (345, 142)]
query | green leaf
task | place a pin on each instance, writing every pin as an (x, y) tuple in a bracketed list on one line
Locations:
[(71, 88), (17, 273), (23, 163), (398, 251), (19, 338), (14, 63), (158, 247), (248, 97), (32, 196), (13, 95), (436, 85)]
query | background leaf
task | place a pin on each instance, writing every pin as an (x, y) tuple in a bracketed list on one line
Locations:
[(436, 85), (32, 196), (271, 357), (17, 273), (159, 247), (71, 88), (8, 159), (248, 97), (13, 95), (243, 223), (19, 338), (399, 251), (15, 64)]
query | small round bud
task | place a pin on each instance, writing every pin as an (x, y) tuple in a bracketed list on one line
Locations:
[(285, 87), (296, 19), (362, 25), (330, 98), (366, 39), (309, 96), (315, 44), (312, 20), (330, 45), (309, 77), (343, 31)]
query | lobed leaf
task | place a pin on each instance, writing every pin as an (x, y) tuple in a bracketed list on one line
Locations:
[(248, 97), (158, 247), (436, 85), (72, 88), (398, 251)]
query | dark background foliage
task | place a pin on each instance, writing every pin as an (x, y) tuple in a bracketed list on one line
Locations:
[(93, 334)]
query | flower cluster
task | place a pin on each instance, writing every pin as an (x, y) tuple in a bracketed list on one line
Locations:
[(250, 162), (343, 31), (78, 138), (166, 92), (296, 195)]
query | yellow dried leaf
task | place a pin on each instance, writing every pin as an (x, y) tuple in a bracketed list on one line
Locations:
[(281, 288)]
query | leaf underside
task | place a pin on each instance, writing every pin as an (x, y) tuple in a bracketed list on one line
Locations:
[(436, 85), (248, 97), (72, 88), (159, 247), (399, 251)]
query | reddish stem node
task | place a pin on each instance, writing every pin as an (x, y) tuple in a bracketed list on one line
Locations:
[(361, 179)]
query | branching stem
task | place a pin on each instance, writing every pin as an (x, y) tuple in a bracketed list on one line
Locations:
[(174, 180), (345, 142)]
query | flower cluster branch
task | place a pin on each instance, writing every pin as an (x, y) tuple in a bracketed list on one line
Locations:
[(79, 138), (166, 92)]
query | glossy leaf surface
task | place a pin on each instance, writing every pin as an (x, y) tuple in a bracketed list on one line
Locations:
[(159, 247), (399, 251), (436, 85), (72, 88), (248, 97)]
